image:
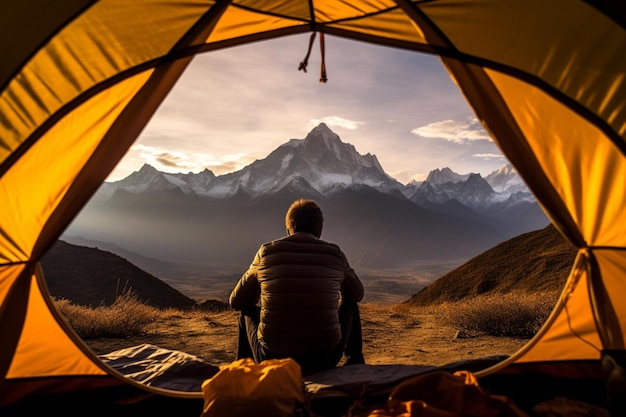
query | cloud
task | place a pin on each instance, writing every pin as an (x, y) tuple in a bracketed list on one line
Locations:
[(179, 161), (171, 161), (488, 155), (460, 132), (336, 121)]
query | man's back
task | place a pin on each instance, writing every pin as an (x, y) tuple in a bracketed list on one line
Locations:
[(307, 292), (300, 278)]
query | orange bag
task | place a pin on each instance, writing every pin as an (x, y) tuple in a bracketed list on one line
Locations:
[(442, 394), (274, 387)]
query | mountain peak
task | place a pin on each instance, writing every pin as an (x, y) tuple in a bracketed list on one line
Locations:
[(146, 173), (322, 129), (444, 175), (506, 169), (322, 133), (321, 159), (146, 168), (147, 178), (505, 179), (475, 178)]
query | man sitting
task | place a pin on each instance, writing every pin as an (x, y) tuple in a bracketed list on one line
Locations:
[(299, 298)]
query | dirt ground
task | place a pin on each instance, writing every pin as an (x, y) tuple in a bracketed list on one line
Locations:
[(391, 335)]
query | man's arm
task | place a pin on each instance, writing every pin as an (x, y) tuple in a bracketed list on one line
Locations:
[(352, 287), (247, 291)]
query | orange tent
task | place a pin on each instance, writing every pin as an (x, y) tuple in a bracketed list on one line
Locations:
[(80, 79)]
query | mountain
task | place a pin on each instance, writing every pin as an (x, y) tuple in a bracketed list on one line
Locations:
[(538, 261), (92, 277), (445, 175), (473, 192), (151, 265), (320, 162), (506, 180), (501, 199), (204, 221)]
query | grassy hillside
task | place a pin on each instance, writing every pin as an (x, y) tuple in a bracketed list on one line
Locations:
[(532, 262), (92, 277)]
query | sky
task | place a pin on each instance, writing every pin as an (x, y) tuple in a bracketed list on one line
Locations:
[(234, 106)]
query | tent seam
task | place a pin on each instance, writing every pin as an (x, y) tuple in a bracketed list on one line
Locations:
[(312, 22)]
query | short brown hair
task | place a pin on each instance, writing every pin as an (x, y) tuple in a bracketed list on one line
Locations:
[(304, 216)]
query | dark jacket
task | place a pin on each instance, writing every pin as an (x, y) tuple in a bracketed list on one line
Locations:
[(300, 281)]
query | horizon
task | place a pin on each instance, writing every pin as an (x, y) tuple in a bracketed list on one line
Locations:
[(236, 105), (506, 163)]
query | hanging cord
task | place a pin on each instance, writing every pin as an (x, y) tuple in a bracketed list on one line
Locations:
[(305, 61), (323, 78)]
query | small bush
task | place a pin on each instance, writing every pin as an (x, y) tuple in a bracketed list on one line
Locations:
[(511, 315), (127, 316)]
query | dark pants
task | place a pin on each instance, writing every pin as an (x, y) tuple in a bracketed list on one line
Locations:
[(350, 345)]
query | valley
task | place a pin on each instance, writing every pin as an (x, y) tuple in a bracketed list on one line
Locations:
[(201, 282), (382, 286)]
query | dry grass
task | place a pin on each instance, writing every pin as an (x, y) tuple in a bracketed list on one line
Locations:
[(127, 316), (399, 334), (508, 315)]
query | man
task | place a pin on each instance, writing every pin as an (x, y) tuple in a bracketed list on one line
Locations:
[(308, 296)]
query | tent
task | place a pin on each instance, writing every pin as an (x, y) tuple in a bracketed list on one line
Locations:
[(79, 80)]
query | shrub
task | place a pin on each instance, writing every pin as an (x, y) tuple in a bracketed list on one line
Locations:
[(127, 316), (512, 315)]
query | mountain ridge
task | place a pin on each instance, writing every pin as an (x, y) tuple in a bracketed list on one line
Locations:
[(219, 221), (93, 277), (321, 158), (538, 261), (90, 276)]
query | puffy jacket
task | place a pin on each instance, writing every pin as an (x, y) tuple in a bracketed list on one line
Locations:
[(300, 281)]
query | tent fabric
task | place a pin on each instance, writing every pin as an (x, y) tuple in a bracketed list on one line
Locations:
[(79, 81)]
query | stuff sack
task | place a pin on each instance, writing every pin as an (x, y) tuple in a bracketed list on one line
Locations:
[(274, 387)]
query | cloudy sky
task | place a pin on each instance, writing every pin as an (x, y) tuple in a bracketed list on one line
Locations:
[(234, 106)]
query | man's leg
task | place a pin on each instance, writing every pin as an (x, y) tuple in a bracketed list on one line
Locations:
[(351, 333), (243, 345), (248, 345)]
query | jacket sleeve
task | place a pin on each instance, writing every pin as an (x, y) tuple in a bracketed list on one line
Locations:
[(247, 292), (352, 287)]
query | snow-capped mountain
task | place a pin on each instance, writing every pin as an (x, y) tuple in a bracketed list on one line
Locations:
[(445, 175), (204, 219), (319, 162), (506, 180), (502, 187)]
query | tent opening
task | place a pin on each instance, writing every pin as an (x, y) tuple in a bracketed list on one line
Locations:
[(411, 185)]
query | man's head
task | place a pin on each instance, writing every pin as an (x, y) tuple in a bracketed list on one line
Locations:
[(304, 216)]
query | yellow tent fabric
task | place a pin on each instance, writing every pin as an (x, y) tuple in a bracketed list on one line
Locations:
[(79, 79)]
